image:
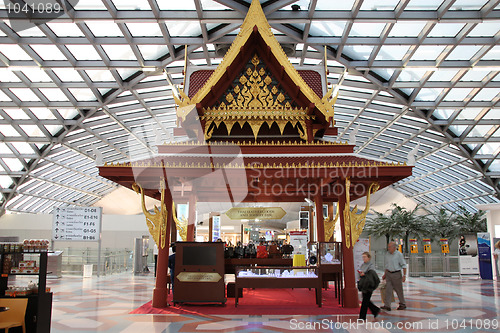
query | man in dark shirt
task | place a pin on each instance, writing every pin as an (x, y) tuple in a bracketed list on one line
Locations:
[(171, 266)]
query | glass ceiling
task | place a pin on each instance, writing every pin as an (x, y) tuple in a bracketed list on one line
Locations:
[(418, 71)]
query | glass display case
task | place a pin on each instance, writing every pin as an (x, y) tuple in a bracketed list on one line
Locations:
[(278, 277), (312, 254), (330, 253), (276, 272)]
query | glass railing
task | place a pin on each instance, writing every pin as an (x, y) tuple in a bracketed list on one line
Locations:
[(112, 260)]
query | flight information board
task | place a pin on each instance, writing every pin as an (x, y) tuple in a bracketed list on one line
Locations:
[(77, 223)]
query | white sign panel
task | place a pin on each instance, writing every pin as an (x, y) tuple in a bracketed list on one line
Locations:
[(76, 224)]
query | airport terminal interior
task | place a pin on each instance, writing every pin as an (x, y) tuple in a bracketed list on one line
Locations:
[(226, 165)]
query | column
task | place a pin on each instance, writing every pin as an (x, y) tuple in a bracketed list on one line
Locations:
[(191, 218), (160, 291), (319, 218), (350, 291)]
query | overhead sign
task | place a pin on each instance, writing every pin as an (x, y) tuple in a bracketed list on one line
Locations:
[(252, 213), (77, 223)]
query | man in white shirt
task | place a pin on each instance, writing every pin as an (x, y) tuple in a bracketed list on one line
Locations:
[(394, 265)]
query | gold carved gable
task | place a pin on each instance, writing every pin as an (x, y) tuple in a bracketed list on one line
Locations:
[(255, 88), (256, 97)]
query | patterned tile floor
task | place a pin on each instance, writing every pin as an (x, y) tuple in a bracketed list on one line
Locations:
[(434, 305)]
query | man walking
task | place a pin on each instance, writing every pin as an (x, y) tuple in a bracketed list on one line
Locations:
[(394, 264)]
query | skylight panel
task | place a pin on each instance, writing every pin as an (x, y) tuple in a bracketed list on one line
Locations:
[(104, 29), (83, 52), (428, 94), (428, 52), (53, 129), (82, 94), (5, 181), (8, 130), (67, 74), (358, 52), (48, 52), (334, 5), (443, 75), (144, 29), (493, 114), (8, 76), (379, 5), (54, 94), (457, 94), (31, 32), (392, 52), (495, 165), (463, 52), (62, 29), (366, 29), (90, 5), (468, 4), (475, 75), (4, 97), (493, 54), (35, 75), (32, 130), (119, 52), (406, 29), (153, 52), (132, 4), (423, 4), (42, 113), (486, 94), (411, 74), (97, 75), (490, 148), (480, 131), (177, 5), (16, 114), (183, 28), (14, 52), (469, 113), (327, 28), (213, 5), (25, 94), (446, 29)]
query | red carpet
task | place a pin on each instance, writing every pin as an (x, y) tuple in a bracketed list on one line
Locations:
[(260, 302)]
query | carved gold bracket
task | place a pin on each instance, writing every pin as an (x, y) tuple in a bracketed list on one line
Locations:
[(157, 222), (353, 222), (330, 226)]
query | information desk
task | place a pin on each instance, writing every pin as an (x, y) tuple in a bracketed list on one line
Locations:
[(278, 277), (231, 264)]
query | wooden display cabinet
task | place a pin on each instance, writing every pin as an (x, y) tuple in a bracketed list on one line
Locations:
[(199, 273)]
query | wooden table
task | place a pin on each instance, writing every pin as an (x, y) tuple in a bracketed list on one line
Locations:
[(278, 282)]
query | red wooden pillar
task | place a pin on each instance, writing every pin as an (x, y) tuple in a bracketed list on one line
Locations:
[(191, 218), (160, 291), (350, 291), (320, 219)]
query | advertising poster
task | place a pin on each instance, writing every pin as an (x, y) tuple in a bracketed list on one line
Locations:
[(484, 254), (362, 245), (215, 228), (467, 255), (497, 259), (298, 239)]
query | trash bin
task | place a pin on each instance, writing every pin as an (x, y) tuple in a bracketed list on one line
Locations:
[(87, 271)]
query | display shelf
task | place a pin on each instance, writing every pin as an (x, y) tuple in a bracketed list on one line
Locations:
[(39, 311)]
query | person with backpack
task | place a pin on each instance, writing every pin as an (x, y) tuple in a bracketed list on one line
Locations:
[(367, 283)]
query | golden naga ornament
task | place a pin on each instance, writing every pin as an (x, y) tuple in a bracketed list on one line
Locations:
[(157, 222), (181, 224), (353, 222), (330, 226)]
